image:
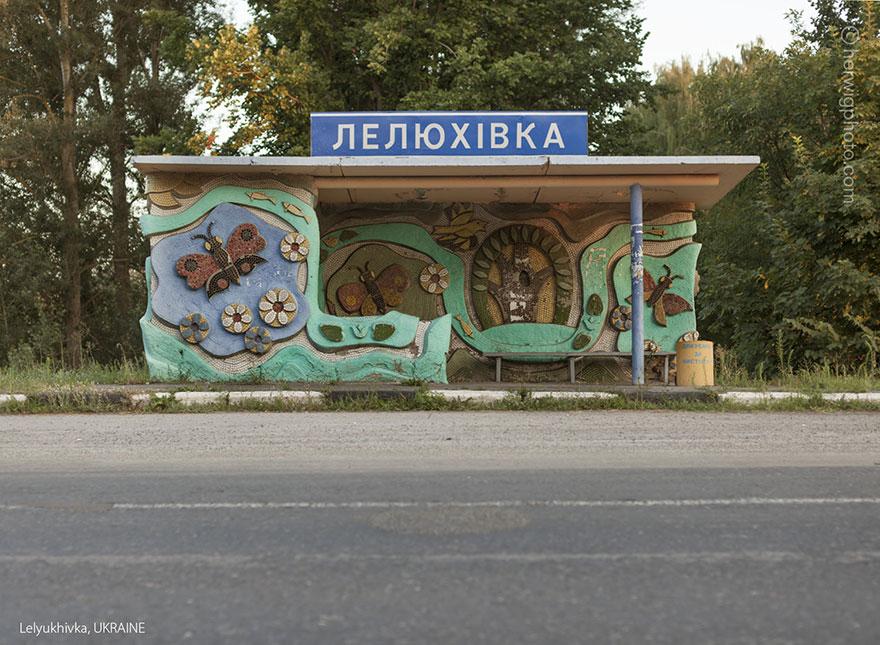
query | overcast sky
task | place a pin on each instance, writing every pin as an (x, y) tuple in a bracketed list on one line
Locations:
[(701, 28)]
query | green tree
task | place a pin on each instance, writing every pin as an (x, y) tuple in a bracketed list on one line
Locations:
[(82, 83), (47, 65), (662, 125), (790, 263), (142, 100), (302, 56)]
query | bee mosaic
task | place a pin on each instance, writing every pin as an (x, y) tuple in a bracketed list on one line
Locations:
[(222, 266), (663, 303)]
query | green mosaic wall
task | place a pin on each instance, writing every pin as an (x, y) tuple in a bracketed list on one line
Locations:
[(594, 271), (386, 295), (334, 348)]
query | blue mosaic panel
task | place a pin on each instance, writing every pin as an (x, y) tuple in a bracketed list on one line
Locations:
[(174, 299)]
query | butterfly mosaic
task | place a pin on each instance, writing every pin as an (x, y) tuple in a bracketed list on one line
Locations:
[(374, 294), (223, 264)]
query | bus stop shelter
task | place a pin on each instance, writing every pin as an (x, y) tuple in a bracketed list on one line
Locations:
[(407, 268)]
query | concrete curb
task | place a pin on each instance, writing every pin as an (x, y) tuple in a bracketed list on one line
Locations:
[(852, 396), (763, 397), (201, 398), (273, 396), (658, 395), (230, 398), (553, 394), (145, 397), (473, 395), (381, 393), (135, 397)]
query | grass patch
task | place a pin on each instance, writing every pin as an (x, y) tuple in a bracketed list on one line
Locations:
[(48, 375), (72, 401), (825, 377), (70, 386)]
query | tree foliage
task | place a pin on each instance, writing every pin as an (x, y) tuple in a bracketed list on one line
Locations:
[(663, 123), (82, 83), (790, 262), (790, 258), (302, 56)]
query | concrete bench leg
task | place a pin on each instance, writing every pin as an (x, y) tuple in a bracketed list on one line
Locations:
[(571, 374), (666, 370), (497, 369)]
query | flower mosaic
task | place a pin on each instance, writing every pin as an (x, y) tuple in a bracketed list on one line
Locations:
[(434, 278), (236, 318), (621, 318), (173, 297), (257, 340), (294, 247), (277, 307), (194, 328)]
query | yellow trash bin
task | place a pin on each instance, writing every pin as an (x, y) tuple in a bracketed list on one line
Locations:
[(694, 363)]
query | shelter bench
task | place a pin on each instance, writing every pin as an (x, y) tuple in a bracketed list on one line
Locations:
[(573, 358)]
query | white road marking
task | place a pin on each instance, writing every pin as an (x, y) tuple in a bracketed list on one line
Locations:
[(554, 503), (114, 559), (668, 556), (680, 557)]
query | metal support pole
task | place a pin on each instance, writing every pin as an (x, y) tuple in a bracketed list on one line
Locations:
[(638, 285)]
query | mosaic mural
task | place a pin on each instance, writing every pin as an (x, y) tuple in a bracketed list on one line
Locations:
[(251, 278), (521, 273), (234, 295), (243, 278)]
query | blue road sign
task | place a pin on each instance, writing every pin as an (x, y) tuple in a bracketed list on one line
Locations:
[(392, 134)]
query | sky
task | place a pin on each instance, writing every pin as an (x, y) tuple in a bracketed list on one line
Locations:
[(702, 28)]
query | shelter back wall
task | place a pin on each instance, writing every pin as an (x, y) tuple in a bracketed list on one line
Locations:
[(514, 277)]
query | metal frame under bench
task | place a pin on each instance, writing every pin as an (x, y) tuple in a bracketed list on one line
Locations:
[(572, 358)]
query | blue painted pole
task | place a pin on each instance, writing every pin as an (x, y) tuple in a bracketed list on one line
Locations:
[(638, 285)]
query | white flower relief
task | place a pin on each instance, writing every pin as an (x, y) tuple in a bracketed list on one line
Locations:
[(236, 318), (434, 278), (277, 307), (295, 247)]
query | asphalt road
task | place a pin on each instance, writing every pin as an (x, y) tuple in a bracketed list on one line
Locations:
[(611, 527)]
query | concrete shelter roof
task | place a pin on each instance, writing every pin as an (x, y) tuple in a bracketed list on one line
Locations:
[(701, 180)]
